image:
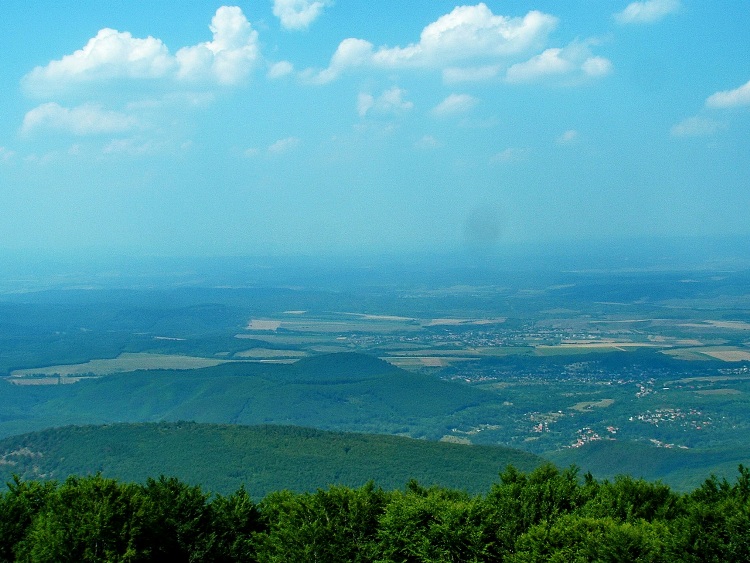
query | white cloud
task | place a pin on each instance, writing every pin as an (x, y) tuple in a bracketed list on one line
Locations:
[(231, 55), (280, 70), (427, 142), (510, 155), (454, 104), (468, 33), (350, 53), (453, 75), (390, 101), (112, 54), (299, 14), (82, 120), (284, 145), (649, 11), (572, 62), (6, 154), (567, 137), (730, 98), (133, 147), (365, 102), (696, 127)]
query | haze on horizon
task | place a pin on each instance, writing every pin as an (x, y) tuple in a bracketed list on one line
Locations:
[(298, 126)]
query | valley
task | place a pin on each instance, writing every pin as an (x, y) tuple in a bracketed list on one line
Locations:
[(565, 365)]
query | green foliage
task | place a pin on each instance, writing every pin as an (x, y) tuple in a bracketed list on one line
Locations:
[(180, 520), (88, 519), (574, 538), (430, 525), (627, 499), (263, 458), (18, 507), (334, 525), (521, 501), (547, 515)]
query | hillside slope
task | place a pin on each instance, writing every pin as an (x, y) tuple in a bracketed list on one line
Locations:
[(220, 458), (347, 392)]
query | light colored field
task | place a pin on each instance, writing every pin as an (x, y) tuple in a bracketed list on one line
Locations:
[(708, 379), (438, 352), (380, 317), (286, 339), (590, 346), (725, 354), (122, 363), (463, 322), (588, 405), (260, 324), (607, 344), (265, 353), (620, 321), (732, 325), (689, 354), (330, 349), (455, 439), (423, 361), (575, 349), (719, 392), (327, 326), (53, 380), (730, 355)]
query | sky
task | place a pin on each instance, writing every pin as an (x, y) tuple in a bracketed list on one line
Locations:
[(281, 127)]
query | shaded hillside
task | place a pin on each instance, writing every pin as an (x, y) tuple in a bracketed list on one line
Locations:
[(680, 468), (348, 392), (263, 458)]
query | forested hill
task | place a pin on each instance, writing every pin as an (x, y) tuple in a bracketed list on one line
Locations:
[(343, 392), (220, 458)]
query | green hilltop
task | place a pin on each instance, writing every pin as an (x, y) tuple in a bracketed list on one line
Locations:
[(347, 392), (221, 458)]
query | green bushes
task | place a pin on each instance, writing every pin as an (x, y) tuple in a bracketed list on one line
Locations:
[(547, 515)]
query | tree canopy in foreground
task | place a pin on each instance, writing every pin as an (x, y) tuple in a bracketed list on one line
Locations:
[(546, 515)]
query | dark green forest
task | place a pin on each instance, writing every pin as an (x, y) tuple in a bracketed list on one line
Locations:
[(546, 515), (223, 457)]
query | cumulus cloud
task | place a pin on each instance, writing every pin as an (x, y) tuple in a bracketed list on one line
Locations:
[(696, 127), (299, 14), (454, 104), (83, 120), (453, 75), (229, 57), (649, 11), (284, 145), (133, 147), (468, 33), (390, 101), (730, 98), (280, 70), (567, 137), (112, 54), (572, 62), (511, 154)]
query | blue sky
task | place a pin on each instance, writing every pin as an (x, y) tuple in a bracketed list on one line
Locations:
[(301, 126)]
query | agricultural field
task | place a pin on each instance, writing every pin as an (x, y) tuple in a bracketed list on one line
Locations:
[(557, 364)]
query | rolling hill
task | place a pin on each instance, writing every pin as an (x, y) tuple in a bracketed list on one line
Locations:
[(265, 458), (346, 392)]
